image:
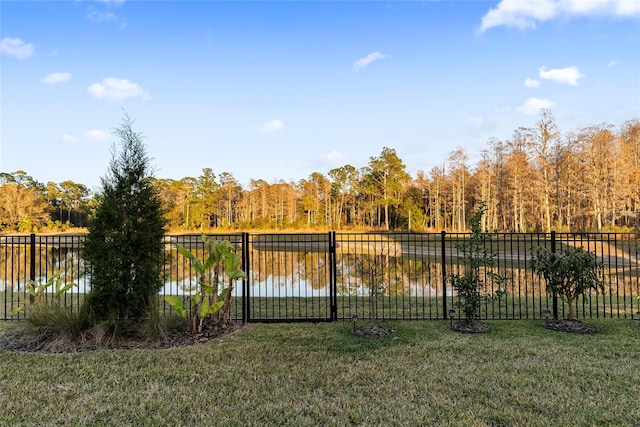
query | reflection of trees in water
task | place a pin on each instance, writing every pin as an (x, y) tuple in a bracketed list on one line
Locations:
[(15, 264), (417, 274), (369, 266), (316, 269), (393, 275), (177, 269), (64, 259), (287, 268)]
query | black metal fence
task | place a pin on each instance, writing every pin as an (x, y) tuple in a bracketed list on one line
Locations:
[(333, 276)]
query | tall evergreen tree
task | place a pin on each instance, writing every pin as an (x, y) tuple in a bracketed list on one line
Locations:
[(124, 247)]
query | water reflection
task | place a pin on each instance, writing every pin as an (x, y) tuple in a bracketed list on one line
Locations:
[(272, 272), (16, 267)]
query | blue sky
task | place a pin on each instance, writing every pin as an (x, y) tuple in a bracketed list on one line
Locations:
[(278, 90)]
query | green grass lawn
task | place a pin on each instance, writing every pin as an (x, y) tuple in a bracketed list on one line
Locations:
[(320, 374)]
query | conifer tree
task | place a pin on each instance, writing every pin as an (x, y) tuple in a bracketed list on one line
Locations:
[(124, 247)]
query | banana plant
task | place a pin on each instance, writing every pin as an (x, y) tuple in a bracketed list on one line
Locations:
[(232, 270), (37, 290), (207, 301)]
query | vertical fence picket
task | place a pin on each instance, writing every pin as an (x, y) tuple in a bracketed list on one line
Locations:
[(555, 296), (443, 253)]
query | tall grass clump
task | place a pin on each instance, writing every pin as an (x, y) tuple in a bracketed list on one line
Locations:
[(48, 315)]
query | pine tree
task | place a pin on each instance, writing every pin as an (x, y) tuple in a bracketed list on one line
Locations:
[(124, 247)]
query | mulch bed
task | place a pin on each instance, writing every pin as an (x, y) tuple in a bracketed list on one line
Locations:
[(465, 327), (574, 326), (372, 331), (23, 338)]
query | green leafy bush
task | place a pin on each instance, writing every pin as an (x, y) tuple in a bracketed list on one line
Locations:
[(570, 273)]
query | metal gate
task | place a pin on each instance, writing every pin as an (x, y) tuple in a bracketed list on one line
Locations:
[(291, 278)]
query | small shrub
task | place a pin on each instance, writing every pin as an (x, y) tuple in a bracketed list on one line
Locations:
[(570, 273), (374, 268), (477, 262)]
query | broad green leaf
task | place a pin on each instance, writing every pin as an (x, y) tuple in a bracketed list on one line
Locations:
[(204, 308), (195, 262), (230, 262), (221, 248), (210, 262), (173, 300), (185, 252), (16, 311), (237, 274), (62, 288), (177, 303), (215, 307), (31, 288)]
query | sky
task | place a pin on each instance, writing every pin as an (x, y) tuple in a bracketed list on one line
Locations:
[(279, 90)]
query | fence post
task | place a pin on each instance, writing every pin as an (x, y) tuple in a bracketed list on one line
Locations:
[(245, 282), (333, 291), (443, 253), (32, 257), (32, 262), (555, 296)]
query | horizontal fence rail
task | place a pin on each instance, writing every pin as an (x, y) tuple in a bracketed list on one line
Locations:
[(338, 275)]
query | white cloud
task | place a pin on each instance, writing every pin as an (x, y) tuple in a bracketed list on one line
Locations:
[(96, 135), (97, 17), (117, 89), (54, 78), (613, 63), (525, 14), (531, 83), (617, 8), (69, 139), (16, 47), (534, 105), (363, 62), (111, 2), (569, 75), (521, 14), (272, 126)]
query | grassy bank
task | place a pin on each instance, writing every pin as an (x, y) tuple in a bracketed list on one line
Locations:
[(389, 307), (320, 374)]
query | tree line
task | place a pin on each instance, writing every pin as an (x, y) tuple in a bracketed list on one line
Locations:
[(539, 179)]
